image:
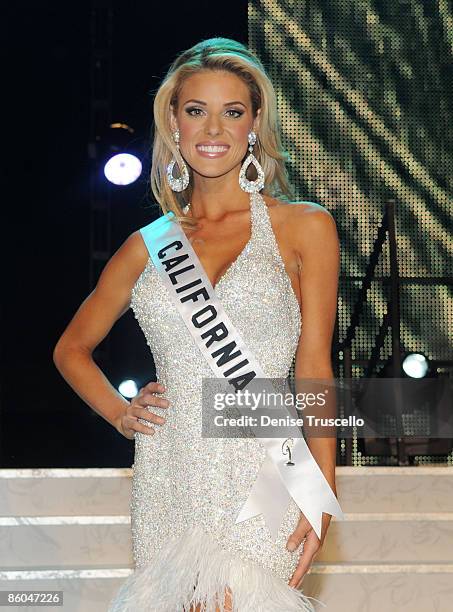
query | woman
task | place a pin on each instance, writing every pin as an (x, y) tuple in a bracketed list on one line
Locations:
[(260, 255)]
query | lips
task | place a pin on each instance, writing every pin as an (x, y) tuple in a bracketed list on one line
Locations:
[(212, 149)]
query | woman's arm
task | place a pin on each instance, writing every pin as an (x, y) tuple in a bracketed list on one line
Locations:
[(315, 240), (317, 244), (93, 320)]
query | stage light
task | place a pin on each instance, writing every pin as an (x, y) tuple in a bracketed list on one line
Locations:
[(415, 365), (128, 388), (123, 169), (120, 152)]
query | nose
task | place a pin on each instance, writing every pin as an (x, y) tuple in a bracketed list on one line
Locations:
[(213, 126)]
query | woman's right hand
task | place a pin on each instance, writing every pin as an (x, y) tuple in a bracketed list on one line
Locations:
[(128, 422)]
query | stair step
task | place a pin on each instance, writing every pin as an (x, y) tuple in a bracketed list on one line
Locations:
[(65, 541), (62, 540), (397, 537), (61, 491), (382, 588), (107, 490), (395, 489)]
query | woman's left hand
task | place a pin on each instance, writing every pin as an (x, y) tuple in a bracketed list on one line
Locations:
[(312, 545)]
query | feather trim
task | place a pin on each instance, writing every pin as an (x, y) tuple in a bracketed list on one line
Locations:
[(193, 569)]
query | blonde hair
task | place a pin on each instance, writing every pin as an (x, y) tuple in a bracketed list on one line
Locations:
[(232, 56)]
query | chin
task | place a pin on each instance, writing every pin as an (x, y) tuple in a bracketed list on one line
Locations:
[(212, 170)]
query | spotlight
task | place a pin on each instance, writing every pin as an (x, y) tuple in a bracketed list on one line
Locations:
[(123, 169), (120, 154), (128, 388), (415, 365)]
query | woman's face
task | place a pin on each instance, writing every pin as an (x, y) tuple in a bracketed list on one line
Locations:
[(214, 118)]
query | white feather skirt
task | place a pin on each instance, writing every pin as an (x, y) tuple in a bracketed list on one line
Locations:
[(192, 569)]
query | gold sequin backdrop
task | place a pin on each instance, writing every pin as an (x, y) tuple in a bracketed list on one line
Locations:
[(364, 92)]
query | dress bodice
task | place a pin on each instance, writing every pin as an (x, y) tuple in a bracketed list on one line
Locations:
[(256, 293)]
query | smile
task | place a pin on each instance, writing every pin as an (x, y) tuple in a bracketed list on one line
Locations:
[(212, 150)]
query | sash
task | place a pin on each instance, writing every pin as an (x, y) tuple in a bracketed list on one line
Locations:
[(223, 348)]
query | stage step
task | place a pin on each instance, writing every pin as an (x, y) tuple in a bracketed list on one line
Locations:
[(69, 530), (63, 541)]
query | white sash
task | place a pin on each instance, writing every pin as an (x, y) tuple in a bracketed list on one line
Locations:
[(224, 350)]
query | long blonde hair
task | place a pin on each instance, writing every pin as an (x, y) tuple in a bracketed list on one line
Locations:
[(232, 56)]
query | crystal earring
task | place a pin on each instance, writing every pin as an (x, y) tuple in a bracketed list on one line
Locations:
[(258, 183), (181, 183)]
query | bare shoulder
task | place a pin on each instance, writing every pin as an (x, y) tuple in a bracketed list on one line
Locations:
[(313, 231), (304, 223), (134, 250), (311, 217), (295, 210), (307, 210), (127, 263)]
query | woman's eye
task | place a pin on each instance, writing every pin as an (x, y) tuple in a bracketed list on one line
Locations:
[(236, 112), (194, 112)]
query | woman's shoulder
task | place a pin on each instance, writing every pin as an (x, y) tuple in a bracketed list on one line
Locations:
[(132, 256), (304, 223), (300, 211), (136, 247)]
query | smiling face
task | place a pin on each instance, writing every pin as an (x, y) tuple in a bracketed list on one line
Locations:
[(214, 117)]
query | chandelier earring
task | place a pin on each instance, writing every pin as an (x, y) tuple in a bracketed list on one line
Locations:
[(181, 183), (258, 183)]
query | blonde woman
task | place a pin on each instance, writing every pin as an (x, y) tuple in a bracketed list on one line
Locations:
[(271, 265)]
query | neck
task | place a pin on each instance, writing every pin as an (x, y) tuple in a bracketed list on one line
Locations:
[(212, 198)]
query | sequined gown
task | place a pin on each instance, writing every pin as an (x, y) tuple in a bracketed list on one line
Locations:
[(187, 490)]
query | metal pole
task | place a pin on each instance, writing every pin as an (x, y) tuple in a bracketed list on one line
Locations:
[(396, 338)]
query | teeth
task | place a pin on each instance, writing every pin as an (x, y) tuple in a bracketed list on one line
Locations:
[(212, 148)]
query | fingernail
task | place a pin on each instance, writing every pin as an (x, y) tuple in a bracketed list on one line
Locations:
[(291, 546)]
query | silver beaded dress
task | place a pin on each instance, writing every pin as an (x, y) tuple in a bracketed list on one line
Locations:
[(187, 489)]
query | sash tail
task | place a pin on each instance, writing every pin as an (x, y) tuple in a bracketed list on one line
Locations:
[(276, 484)]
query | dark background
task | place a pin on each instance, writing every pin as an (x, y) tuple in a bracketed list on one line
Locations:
[(45, 233)]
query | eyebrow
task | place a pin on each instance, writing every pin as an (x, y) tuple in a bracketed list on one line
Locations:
[(226, 104)]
